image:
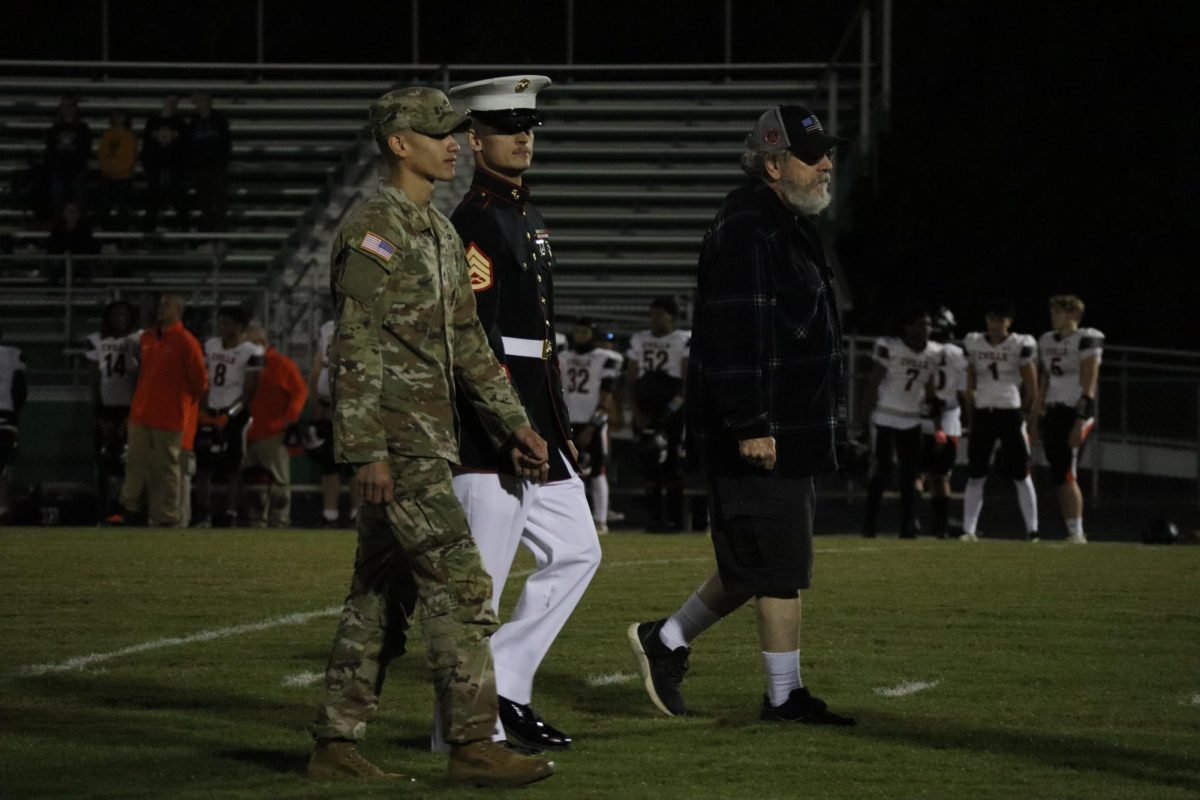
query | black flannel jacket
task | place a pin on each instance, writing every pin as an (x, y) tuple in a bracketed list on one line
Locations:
[(766, 354)]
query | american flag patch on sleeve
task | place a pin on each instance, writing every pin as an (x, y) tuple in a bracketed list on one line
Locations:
[(375, 244)]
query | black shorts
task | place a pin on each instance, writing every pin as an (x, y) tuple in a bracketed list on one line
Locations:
[(322, 453), (597, 450), (219, 450), (1056, 428), (938, 460), (110, 436), (762, 532), (893, 446), (1005, 425), (8, 439)]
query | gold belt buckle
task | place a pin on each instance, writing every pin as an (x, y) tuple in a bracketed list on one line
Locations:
[(547, 349)]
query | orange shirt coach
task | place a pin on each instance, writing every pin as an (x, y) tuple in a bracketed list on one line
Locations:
[(172, 376)]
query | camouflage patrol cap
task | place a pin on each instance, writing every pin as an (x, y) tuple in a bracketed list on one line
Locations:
[(419, 108)]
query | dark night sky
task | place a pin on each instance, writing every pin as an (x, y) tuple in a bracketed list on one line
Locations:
[(1034, 147)]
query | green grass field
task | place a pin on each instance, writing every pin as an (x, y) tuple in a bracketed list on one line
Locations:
[(159, 663)]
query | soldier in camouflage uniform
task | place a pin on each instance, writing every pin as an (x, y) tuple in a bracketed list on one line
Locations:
[(406, 330)]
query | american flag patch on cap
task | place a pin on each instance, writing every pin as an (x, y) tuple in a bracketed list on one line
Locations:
[(377, 245), (811, 124)]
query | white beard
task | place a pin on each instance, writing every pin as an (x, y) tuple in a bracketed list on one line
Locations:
[(806, 200)]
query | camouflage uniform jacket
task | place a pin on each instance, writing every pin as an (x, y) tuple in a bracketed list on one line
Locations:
[(406, 328)]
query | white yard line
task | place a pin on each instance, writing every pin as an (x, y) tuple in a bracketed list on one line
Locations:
[(301, 679), (80, 663), (610, 679), (906, 688)]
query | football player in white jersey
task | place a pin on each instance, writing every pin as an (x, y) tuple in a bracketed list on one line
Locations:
[(1001, 390), (115, 353), (13, 391), (588, 377), (1070, 372), (938, 453), (657, 370), (233, 366), (900, 384), (318, 436)]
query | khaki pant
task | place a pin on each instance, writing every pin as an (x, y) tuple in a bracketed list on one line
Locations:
[(187, 471), (267, 483), (416, 547), (153, 466)]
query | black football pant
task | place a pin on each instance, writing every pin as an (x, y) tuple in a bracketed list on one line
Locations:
[(892, 447)]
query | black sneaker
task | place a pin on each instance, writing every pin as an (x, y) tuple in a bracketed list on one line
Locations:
[(662, 668), (801, 706)]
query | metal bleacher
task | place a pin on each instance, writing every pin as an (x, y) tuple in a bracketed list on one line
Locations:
[(628, 172), (291, 138)]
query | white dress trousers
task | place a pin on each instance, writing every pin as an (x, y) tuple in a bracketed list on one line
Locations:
[(555, 523)]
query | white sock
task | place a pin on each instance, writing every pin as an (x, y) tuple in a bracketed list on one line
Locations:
[(1027, 499), (330, 514), (692, 619), (1075, 526), (783, 675), (972, 503), (600, 499)]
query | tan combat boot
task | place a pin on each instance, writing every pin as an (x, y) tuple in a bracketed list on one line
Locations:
[(492, 764), (337, 759)]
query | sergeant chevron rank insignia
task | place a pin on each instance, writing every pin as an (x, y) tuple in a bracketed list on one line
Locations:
[(479, 268)]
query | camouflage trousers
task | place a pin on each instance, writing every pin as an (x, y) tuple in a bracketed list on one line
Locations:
[(415, 553)]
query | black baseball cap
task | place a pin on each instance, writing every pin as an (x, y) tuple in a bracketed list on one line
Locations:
[(795, 129)]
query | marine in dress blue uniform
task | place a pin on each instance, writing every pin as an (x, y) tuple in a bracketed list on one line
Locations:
[(511, 265)]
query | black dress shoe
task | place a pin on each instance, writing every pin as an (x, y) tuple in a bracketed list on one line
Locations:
[(524, 727)]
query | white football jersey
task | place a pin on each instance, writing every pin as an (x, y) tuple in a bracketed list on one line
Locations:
[(1061, 356), (10, 365), (324, 347), (660, 353), (227, 370), (903, 386), (118, 359), (949, 380), (583, 376), (998, 368)]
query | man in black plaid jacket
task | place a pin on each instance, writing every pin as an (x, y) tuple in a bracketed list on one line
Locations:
[(766, 400)]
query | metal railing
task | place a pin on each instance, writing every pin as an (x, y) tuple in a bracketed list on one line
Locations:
[(47, 290)]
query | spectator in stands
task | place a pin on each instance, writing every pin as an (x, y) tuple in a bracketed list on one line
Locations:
[(164, 157), (114, 352), (71, 234), (277, 402), (118, 157), (170, 384), (12, 400), (68, 148), (210, 148)]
